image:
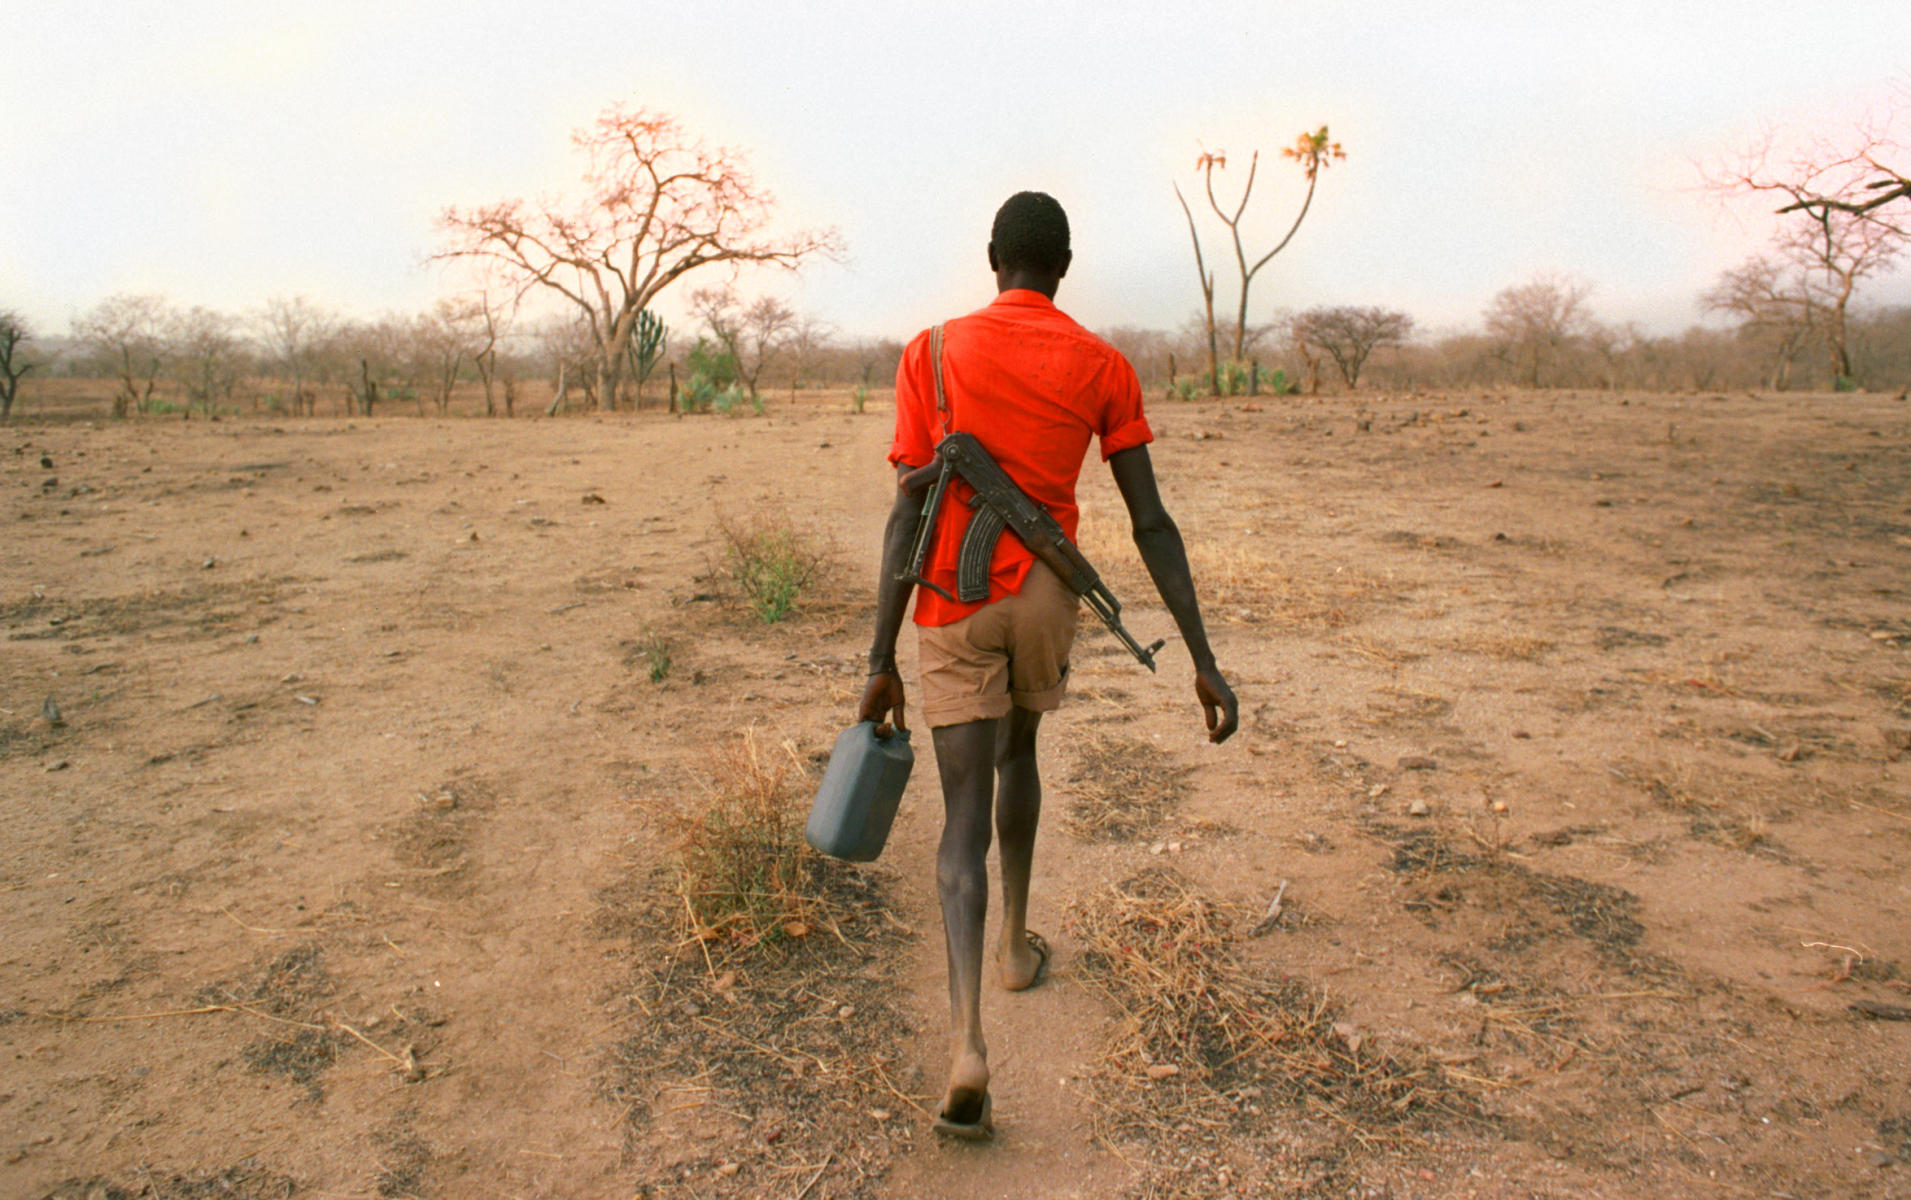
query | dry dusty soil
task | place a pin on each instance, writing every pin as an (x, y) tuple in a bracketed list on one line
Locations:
[(1573, 740)]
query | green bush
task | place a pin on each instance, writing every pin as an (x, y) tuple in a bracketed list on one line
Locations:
[(1276, 381), (858, 398), (655, 649), (772, 564)]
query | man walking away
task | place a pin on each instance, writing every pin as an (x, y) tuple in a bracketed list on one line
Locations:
[(1034, 387)]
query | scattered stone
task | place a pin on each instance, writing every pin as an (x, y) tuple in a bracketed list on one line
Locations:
[(58, 764), (593, 498), (729, 1168), (1791, 753), (1418, 808), (1163, 1071), (1418, 762), (1897, 741), (50, 712)]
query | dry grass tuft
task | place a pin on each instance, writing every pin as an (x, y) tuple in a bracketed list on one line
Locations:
[(1203, 1044), (744, 873), (1120, 787)]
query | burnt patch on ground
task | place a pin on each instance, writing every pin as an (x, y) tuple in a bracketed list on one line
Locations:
[(783, 1067), (1120, 787)]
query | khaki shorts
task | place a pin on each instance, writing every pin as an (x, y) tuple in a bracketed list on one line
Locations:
[(1009, 654)]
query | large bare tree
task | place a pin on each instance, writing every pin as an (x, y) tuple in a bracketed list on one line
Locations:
[(1314, 152), (1535, 322), (657, 205), (1844, 202)]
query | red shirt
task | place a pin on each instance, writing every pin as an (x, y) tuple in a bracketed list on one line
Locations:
[(1032, 386)]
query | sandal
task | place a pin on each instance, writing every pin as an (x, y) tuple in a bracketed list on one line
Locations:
[(1039, 944), (979, 1130)]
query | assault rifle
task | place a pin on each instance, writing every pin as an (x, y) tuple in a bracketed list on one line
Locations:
[(999, 504)]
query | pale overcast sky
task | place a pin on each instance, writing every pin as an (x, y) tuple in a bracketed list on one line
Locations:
[(221, 153)]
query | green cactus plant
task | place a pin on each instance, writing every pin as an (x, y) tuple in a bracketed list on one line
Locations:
[(646, 346)]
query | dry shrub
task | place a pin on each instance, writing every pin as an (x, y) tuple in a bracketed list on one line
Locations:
[(771, 562), (744, 872), (1724, 811), (1120, 787), (1202, 1043)]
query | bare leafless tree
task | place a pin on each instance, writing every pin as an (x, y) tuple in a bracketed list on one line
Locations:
[(291, 329), (14, 363), (1314, 152), (1348, 334), (207, 355), (443, 339), (1844, 204), (658, 205), (809, 339), (1534, 323), (487, 317), (1774, 303), (567, 347), (128, 333)]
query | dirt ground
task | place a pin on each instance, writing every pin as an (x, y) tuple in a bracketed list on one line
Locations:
[(1573, 730)]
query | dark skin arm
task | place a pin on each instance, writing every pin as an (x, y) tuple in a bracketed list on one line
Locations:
[(1159, 542), (883, 696)]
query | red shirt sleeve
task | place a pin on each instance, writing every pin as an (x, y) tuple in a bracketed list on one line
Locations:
[(915, 441), (1123, 426)]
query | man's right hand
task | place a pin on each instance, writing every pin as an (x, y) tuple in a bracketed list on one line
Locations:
[(883, 702), (1217, 704)]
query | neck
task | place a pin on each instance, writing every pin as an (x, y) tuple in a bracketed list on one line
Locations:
[(1024, 279)]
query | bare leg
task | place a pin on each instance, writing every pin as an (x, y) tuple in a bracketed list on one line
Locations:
[(965, 757), (1018, 809)]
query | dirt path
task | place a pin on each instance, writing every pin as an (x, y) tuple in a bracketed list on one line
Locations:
[(1574, 724)]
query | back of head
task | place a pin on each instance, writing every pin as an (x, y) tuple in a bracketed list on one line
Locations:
[(1031, 231)]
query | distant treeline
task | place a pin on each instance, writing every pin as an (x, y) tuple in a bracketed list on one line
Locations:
[(294, 357)]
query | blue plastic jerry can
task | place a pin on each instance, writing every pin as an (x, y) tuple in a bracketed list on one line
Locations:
[(861, 788)]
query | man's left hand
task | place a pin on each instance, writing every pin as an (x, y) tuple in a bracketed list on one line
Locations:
[(1217, 704)]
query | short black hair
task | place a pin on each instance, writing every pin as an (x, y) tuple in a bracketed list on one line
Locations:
[(1031, 230)]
